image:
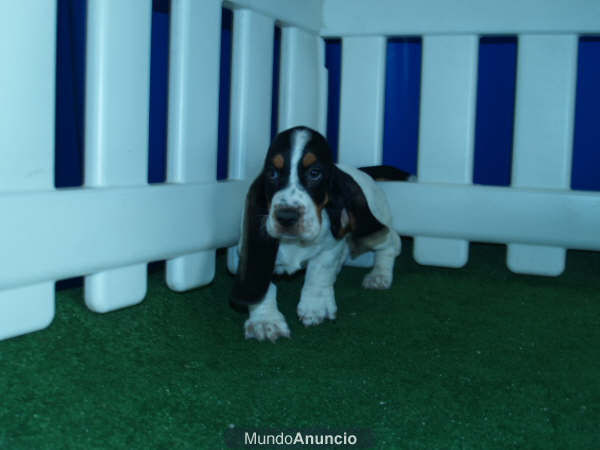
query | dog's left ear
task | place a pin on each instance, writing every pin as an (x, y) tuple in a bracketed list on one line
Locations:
[(349, 212), (258, 250)]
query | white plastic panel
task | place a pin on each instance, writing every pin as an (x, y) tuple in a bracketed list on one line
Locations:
[(419, 17), (27, 48), (362, 100), (116, 124), (446, 131), (59, 234), (193, 117), (497, 214), (299, 79), (543, 135), (251, 95)]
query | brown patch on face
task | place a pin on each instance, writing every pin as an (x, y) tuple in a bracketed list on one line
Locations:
[(320, 208), (278, 161), (308, 159)]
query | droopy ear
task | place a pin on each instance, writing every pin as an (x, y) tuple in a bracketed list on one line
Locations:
[(258, 250), (349, 211)]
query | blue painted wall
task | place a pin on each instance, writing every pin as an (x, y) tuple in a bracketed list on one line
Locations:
[(586, 157), (495, 102), (70, 56)]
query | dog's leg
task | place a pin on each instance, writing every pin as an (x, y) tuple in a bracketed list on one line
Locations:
[(317, 300), (265, 321), (382, 274)]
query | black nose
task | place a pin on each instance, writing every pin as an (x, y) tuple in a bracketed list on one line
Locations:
[(287, 216)]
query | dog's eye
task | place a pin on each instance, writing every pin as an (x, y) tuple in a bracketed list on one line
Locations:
[(315, 174), (272, 173)]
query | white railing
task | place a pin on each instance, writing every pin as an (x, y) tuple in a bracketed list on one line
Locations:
[(109, 229), (538, 216)]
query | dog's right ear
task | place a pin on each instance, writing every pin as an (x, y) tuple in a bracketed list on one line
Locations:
[(258, 250)]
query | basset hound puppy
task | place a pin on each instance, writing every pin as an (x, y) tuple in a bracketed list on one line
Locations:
[(305, 211)]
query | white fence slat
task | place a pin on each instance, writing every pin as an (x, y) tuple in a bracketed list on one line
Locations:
[(543, 136), (497, 214), (59, 234), (27, 105), (27, 48), (299, 79), (251, 95), (423, 17), (362, 100), (116, 124), (362, 97), (446, 131), (193, 117)]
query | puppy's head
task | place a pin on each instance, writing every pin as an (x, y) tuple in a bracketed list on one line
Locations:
[(286, 201), (297, 173)]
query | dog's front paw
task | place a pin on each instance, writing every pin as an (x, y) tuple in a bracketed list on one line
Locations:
[(271, 327), (317, 305), (377, 280)]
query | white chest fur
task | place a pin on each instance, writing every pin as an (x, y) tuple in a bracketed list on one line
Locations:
[(293, 254)]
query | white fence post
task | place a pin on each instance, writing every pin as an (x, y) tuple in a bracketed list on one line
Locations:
[(27, 98), (446, 131), (251, 95), (116, 125), (362, 97), (362, 101), (543, 135), (193, 117), (299, 79)]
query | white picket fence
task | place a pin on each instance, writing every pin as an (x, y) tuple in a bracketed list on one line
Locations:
[(109, 229)]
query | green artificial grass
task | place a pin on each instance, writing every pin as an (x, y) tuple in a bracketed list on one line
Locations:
[(469, 358)]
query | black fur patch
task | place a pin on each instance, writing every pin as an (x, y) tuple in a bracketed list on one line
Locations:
[(347, 194), (385, 173)]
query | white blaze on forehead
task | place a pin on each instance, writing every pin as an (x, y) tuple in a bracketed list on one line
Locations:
[(294, 195), (299, 140)]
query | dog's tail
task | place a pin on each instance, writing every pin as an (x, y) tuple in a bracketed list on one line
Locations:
[(387, 173)]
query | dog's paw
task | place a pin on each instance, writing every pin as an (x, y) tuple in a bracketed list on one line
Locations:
[(377, 280), (271, 327), (316, 306)]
